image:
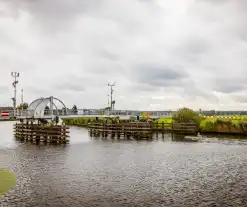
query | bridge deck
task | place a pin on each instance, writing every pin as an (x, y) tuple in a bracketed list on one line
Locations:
[(50, 114)]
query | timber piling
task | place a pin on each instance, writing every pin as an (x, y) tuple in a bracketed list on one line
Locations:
[(138, 130), (57, 134)]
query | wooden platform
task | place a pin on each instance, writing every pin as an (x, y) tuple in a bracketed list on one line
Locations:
[(41, 133)]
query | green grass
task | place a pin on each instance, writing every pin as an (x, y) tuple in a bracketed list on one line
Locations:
[(7, 181), (210, 124), (165, 120), (80, 121), (85, 120), (206, 124)]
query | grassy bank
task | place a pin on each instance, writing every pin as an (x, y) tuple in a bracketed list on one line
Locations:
[(80, 121), (7, 181), (215, 124), (224, 125)]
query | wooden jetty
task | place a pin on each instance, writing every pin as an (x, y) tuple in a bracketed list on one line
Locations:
[(139, 130), (41, 133)]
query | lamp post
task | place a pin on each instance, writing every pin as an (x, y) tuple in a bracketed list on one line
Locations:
[(15, 75)]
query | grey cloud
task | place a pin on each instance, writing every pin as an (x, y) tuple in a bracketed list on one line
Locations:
[(4, 89), (142, 87), (56, 9), (72, 87), (108, 54), (191, 90), (214, 1), (229, 85), (240, 98), (52, 15), (194, 46), (64, 47), (160, 75)]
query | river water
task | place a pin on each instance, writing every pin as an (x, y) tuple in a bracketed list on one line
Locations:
[(95, 172)]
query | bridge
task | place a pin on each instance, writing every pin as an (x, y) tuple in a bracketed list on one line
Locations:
[(38, 110)]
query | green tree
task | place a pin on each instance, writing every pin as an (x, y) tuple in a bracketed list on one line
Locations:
[(22, 106), (74, 109), (186, 115), (47, 108)]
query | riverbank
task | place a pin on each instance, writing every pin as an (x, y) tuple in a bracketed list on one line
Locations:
[(232, 125)]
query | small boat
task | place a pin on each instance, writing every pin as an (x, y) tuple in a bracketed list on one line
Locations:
[(191, 138)]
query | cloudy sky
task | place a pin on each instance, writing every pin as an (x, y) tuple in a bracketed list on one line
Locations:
[(162, 54)]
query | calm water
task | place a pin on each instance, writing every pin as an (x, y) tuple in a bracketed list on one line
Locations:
[(94, 172)]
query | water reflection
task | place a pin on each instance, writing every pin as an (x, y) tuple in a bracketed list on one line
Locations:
[(98, 172)]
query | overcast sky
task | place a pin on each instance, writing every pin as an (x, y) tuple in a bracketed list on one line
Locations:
[(162, 54)]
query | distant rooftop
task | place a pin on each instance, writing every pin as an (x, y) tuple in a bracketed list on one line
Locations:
[(6, 108)]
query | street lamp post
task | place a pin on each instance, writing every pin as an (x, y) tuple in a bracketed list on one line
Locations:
[(15, 75)]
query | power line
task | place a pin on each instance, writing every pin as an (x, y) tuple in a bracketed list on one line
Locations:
[(15, 75)]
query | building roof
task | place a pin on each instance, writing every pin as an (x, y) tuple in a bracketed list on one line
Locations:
[(6, 108)]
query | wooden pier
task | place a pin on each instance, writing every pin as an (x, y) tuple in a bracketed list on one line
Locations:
[(139, 130), (41, 133)]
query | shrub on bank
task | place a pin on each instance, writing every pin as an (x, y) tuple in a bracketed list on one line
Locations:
[(211, 125), (182, 116), (186, 115), (80, 121), (208, 124)]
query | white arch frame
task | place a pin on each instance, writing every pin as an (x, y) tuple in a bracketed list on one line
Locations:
[(36, 103)]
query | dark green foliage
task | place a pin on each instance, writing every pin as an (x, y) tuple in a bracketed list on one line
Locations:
[(210, 126), (186, 115), (22, 106), (223, 122), (74, 109)]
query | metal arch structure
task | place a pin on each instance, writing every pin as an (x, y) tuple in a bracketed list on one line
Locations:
[(39, 111), (38, 107), (35, 103), (62, 104)]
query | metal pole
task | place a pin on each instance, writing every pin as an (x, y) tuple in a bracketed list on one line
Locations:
[(111, 97), (51, 105), (22, 101), (15, 75), (108, 101), (111, 86)]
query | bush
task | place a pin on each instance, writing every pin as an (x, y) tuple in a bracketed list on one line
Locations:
[(208, 124), (186, 115)]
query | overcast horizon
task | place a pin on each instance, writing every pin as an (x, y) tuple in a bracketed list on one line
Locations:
[(163, 55)]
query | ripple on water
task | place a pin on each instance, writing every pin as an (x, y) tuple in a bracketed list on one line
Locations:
[(99, 173)]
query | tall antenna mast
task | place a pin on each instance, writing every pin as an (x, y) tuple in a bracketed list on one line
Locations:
[(15, 75), (108, 96), (22, 101), (111, 93)]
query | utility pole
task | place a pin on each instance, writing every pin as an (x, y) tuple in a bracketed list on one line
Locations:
[(111, 86), (108, 96), (22, 101), (15, 75)]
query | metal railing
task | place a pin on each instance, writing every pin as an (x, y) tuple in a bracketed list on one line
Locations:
[(83, 112), (93, 112)]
